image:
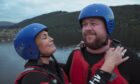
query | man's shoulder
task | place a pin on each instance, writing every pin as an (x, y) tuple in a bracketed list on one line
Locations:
[(130, 52), (116, 43)]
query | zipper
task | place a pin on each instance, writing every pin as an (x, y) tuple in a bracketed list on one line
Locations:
[(89, 74)]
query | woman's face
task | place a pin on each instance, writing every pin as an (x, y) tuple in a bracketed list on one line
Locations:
[(45, 44)]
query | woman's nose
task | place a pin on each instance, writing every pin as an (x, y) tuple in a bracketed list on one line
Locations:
[(51, 39)]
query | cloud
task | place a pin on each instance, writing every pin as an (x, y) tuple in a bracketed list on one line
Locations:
[(18, 10)]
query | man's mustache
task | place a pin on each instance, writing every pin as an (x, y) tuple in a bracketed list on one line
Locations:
[(89, 32)]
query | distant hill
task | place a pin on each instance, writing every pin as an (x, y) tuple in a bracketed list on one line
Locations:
[(6, 24), (127, 13), (58, 18), (64, 26)]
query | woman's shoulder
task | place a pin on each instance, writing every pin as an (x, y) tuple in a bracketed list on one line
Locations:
[(34, 78)]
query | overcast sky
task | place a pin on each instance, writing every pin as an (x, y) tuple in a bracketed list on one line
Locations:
[(18, 10)]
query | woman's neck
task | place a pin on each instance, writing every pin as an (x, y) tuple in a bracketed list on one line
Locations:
[(45, 60)]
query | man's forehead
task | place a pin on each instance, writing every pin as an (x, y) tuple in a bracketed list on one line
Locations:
[(92, 19)]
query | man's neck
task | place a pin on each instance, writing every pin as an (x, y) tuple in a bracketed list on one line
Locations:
[(100, 50)]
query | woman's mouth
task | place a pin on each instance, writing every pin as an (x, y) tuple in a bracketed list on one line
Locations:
[(51, 45)]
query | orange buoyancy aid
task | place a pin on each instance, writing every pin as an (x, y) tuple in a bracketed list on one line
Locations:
[(79, 70), (38, 70)]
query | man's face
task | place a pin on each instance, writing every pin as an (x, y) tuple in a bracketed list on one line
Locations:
[(94, 33)]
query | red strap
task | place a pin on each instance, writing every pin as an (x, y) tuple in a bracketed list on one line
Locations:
[(26, 71), (44, 83)]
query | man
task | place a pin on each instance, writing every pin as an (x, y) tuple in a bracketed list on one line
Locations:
[(97, 24)]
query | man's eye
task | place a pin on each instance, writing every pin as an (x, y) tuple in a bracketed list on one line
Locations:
[(84, 24), (93, 24)]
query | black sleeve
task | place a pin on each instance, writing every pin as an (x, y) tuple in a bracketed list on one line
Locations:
[(35, 78), (68, 64), (131, 68), (100, 77)]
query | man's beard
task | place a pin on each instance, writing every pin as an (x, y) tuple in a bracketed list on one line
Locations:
[(97, 43)]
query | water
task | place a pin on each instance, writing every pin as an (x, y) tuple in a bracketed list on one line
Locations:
[(11, 64)]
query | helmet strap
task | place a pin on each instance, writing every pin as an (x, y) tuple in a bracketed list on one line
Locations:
[(45, 56)]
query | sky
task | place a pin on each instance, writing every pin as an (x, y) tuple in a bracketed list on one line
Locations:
[(19, 10)]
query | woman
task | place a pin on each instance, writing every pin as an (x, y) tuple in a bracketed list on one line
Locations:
[(34, 44)]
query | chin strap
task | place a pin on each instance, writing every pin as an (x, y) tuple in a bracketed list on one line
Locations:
[(45, 56)]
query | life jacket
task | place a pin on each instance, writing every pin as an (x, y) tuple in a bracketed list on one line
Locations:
[(80, 69), (37, 69)]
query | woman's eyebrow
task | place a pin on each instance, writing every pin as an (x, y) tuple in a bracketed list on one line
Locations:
[(45, 34)]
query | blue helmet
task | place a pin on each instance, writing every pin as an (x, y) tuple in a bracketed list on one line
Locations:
[(99, 10), (24, 42)]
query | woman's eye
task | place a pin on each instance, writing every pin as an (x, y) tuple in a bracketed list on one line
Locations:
[(44, 37)]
